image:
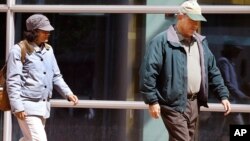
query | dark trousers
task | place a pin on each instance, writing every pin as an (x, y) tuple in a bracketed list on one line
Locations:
[(181, 126)]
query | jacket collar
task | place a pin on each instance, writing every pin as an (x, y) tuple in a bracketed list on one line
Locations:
[(30, 46), (174, 40)]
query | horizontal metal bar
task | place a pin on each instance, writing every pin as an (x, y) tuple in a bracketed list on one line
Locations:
[(226, 9), (218, 107), (102, 104), (124, 9), (93, 9), (3, 8)]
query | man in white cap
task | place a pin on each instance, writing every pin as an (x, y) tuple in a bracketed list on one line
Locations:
[(30, 80), (177, 69)]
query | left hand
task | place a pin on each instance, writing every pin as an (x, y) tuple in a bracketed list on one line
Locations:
[(73, 98), (227, 106), (154, 110)]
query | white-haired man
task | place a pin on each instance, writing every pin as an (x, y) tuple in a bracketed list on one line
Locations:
[(175, 73)]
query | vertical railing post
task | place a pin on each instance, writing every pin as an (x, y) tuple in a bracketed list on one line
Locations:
[(10, 32), (7, 126)]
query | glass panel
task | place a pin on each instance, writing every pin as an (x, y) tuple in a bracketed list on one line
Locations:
[(225, 2), (91, 125), (124, 125), (98, 54), (3, 2), (223, 28), (214, 126), (2, 57), (2, 38)]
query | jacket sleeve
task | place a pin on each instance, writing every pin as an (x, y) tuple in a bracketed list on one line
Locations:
[(149, 71), (224, 68), (13, 79), (216, 81)]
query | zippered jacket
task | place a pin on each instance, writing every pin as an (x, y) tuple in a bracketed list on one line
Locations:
[(163, 73)]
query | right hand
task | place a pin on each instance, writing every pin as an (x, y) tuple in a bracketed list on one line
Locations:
[(21, 115), (73, 98), (227, 106), (154, 110)]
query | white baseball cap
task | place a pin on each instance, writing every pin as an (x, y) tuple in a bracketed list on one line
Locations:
[(192, 9)]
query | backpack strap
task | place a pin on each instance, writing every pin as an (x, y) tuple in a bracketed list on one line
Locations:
[(3, 75)]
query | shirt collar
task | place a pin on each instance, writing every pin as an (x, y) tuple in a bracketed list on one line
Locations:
[(40, 48), (36, 47)]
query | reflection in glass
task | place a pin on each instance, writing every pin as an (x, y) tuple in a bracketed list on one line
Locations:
[(230, 27), (212, 126), (220, 29)]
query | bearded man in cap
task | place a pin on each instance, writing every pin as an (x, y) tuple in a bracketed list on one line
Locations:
[(176, 72), (30, 80)]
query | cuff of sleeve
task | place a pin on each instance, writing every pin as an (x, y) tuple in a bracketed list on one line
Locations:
[(67, 95), (223, 98), (153, 103)]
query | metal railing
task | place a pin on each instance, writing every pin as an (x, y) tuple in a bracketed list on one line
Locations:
[(102, 104), (130, 105), (10, 8)]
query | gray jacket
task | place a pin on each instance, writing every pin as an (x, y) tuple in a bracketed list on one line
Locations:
[(30, 85), (163, 74)]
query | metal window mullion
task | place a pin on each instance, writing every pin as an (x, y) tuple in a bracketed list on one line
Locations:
[(10, 30), (7, 132), (124, 9), (7, 126), (3, 8)]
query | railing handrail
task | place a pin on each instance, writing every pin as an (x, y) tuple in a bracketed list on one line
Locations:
[(104, 104)]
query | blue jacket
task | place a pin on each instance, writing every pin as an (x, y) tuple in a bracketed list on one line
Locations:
[(163, 74), (30, 85)]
